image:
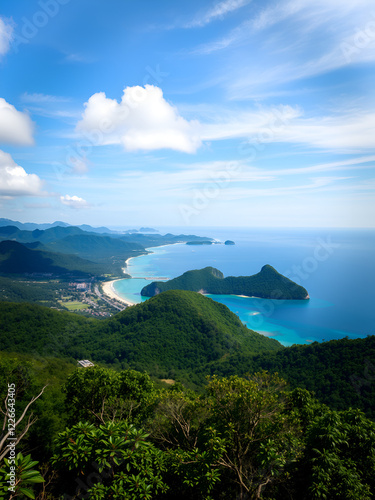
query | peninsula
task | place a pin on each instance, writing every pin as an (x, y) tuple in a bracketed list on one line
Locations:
[(267, 284)]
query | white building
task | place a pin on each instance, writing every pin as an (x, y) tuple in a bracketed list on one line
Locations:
[(85, 363)]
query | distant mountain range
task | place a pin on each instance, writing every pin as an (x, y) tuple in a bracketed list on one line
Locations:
[(267, 284), (109, 250), (16, 258), (71, 240), (31, 226)]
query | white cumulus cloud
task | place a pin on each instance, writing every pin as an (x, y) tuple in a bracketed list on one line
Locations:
[(15, 127), (143, 120), (74, 201), (15, 181), (6, 35)]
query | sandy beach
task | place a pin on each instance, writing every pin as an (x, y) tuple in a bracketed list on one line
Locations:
[(108, 288), (127, 263), (109, 291)]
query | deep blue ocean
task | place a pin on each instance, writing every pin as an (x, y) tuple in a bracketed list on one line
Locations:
[(337, 267)]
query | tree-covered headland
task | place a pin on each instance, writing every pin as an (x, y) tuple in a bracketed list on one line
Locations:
[(267, 284)]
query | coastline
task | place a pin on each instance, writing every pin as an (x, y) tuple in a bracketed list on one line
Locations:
[(109, 291), (125, 268), (149, 250), (108, 288), (299, 329)]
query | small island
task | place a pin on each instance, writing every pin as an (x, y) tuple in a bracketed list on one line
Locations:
[(203, 242), (229, 242), (267, 284)]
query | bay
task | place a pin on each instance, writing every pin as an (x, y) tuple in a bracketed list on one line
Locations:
[(337, 267)]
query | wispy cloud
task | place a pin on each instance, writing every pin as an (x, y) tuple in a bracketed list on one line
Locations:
[(346, 131), (6, 35), (234, 37), (314, 185), (247, 183), (350, 164), (218, 11), (197, 174), (77, 58), (296, 39), (43, 98), (54, 113), (313, 15), (49, 106), (249, 85)]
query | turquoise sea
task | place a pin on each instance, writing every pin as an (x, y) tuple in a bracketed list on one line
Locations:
[(337, 267)]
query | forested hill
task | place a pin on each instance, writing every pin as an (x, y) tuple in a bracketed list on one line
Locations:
[(185, 336), (267, 284), (16, 258), (176, 334), (341, 373), (177, 331)]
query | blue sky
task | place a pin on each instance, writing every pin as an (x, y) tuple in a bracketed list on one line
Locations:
[(239, 112)]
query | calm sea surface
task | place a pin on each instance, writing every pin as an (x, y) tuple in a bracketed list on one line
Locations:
[(337, 267)]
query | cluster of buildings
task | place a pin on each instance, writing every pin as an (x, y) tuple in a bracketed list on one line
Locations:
[(80, 287)]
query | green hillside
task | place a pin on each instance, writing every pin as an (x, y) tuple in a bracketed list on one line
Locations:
[(177, 331), (267, 284), (16, 258), (185, 336), (34, 329), (176, 334), (341, 373), (96, 247), (16, 290)]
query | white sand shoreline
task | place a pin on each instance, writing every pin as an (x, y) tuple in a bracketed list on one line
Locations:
[(127, 262), (109, 291), (108, 288)]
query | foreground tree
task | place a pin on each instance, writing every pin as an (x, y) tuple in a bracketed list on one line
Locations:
[(340, 456), (17, 476), (261, 434), (99, 395), (114, 460), (16, 405), (240, 431)]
